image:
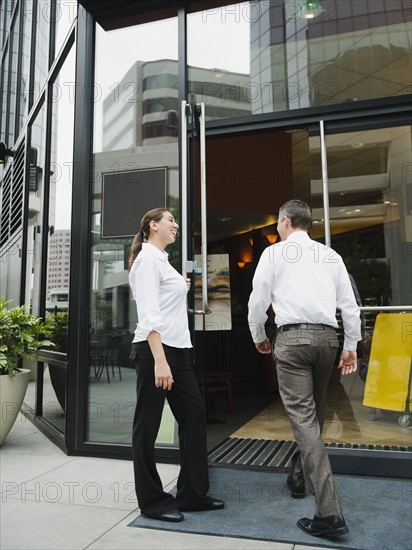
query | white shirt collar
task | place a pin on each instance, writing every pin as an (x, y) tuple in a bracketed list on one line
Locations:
[(149, 247), (298, 234)]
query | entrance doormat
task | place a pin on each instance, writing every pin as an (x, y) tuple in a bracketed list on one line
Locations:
[(259, 506)]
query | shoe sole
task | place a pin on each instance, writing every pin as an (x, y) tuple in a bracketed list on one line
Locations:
[(297, 495), (200, 509), (332, 533), (168, 520)]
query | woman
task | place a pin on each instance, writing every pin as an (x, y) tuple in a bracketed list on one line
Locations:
[(161, 350)]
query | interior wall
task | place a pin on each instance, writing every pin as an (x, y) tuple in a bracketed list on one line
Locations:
[(249, 173)]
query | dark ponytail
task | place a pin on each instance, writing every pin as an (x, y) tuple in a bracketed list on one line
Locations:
[(153, 215)]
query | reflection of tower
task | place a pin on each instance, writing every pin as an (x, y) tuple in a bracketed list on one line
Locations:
[(142, 109), (305, 54), (59, 260)]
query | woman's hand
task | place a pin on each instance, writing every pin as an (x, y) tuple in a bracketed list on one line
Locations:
[(163, 375)]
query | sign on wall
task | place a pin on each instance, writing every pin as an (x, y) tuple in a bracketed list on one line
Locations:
[(127, 196)]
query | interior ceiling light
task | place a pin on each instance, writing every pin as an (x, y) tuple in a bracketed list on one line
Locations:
[(310, 8), (272, 238), (357, 145)]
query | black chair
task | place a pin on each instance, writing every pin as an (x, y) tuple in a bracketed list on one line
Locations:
[(105, 354)]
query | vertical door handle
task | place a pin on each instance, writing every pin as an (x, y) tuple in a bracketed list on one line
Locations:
[(203, 204), (184, 197), (325, 183)]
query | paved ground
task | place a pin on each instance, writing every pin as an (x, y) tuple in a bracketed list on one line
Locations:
[(53, 501)]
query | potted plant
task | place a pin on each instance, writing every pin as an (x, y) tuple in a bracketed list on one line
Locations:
[(21, 335), (57, 357)]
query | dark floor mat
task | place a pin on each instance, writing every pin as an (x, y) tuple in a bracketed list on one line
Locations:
[(258, 506)]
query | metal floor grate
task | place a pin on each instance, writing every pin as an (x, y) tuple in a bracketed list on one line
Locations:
[(273, 454)]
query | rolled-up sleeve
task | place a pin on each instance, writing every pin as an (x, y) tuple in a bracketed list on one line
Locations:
[(346, 302), (260, 298), (147, 279)]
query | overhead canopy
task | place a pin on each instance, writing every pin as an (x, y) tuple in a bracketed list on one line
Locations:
[(114, 14)]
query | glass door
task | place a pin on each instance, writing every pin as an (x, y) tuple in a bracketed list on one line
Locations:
[(356, 186), (233, 186)]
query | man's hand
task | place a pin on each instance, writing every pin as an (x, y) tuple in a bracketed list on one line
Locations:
[(347, 362), (263, 347), (163, 375)]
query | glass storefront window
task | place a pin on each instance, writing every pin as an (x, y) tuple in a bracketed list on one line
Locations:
[(66, 13), (37, 170), (371, 227), (41, 56), (369, 198), (14, 34), (25, 65), (264, 56), (4, 92), (59, 239), (135, 169)]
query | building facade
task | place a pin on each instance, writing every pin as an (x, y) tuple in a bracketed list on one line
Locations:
[(220, 111)]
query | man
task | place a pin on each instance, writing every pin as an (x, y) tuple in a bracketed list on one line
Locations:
[(305, 282)]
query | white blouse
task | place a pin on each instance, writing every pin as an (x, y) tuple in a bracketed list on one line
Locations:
[(160, 293)]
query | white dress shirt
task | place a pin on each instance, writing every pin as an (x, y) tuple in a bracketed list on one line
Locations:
[(305, 281), (160, 293)]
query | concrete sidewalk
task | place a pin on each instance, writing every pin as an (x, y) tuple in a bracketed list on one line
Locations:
[(53, 501)]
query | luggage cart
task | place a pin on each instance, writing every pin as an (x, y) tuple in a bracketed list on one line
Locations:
[(389, 378)]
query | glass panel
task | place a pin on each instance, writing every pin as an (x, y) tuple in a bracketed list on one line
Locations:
[(65, 15), (2, 4), (5, 92), (37, 144), (371, 226), (240, 225), (13, 80), (265, 56), (25, 65), (58, 256), (135, 147), (41, 56), (7, 8)]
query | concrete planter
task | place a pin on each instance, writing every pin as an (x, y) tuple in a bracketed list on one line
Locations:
[(12, 392)]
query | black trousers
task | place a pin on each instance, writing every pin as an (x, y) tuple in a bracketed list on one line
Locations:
[(188, 408)]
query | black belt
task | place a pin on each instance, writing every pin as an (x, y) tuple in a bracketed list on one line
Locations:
[(305, 326)]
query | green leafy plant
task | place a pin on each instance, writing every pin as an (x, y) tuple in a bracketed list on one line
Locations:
[(59, 329), (21, 335)]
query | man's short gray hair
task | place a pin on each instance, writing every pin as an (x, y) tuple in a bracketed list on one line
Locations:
[(298, 212)]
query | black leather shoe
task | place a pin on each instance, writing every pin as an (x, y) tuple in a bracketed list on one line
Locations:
[(296, 486), (172, 515), (208, 503), (330, 526)]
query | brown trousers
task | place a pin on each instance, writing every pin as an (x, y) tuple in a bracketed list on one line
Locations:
[(304, 361)]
